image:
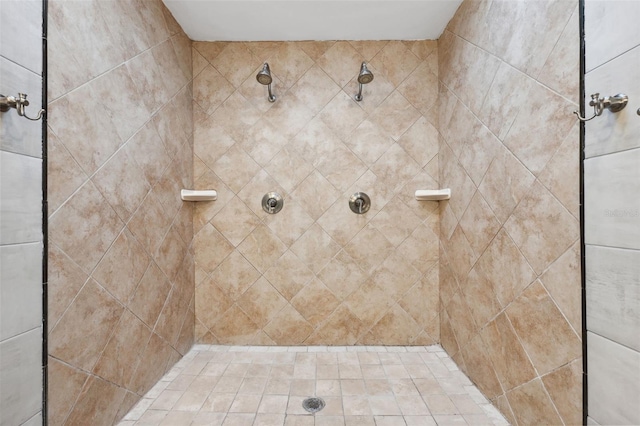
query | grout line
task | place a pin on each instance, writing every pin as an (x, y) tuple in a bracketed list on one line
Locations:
[(613, 59), (635, 350)]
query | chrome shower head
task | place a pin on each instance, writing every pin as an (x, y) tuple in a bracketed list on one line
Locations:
[(264, 78), (364, 77)]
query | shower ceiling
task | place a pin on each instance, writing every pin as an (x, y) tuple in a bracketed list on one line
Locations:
[(265, 20)]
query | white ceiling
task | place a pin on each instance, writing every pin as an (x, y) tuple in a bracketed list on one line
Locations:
[(268, 20)]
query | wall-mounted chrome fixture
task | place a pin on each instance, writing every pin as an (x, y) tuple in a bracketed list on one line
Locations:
[(264, 78), (613, 103), (360, 203), (19, 103), (365, 77), (272, 202)]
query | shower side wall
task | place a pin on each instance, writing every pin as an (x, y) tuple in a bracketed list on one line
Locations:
[(121, 306), (510, 249), (316, 273)]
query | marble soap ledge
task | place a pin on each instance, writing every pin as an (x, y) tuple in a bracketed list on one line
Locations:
[(198, 195)]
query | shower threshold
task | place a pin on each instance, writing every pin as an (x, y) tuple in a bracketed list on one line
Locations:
[(359, 385)]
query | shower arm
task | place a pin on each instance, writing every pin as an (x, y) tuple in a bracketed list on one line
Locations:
[(272, 97), (358, 96)]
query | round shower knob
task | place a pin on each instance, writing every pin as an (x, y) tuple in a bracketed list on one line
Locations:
[(272, 202), (359, 203)]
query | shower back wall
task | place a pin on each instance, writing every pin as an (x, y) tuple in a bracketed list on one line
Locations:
[(316, 273)]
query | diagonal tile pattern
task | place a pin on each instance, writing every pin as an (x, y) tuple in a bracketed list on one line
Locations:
[(511, 232), (126, 251), (327, 276), (121, 271)]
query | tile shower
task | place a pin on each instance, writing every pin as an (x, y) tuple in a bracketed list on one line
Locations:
[(138, 112), (316, 273)]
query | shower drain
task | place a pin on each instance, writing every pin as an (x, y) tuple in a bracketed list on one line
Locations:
[(313, 405)]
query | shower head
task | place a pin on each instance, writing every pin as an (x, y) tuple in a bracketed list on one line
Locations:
[(364, 77), (264, 78)]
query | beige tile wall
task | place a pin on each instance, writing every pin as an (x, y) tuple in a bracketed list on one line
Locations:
[(120, 258), (316, 273), (509, 254)]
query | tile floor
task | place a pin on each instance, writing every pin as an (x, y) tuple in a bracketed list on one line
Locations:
[(361, 385)]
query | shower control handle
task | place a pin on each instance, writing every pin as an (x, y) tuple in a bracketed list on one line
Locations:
[(359, 203), (272, 202)]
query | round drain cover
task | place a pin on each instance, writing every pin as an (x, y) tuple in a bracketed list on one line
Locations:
[(313, 405)]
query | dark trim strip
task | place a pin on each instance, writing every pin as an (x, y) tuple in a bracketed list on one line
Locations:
[(583, 280), (45, 222)]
